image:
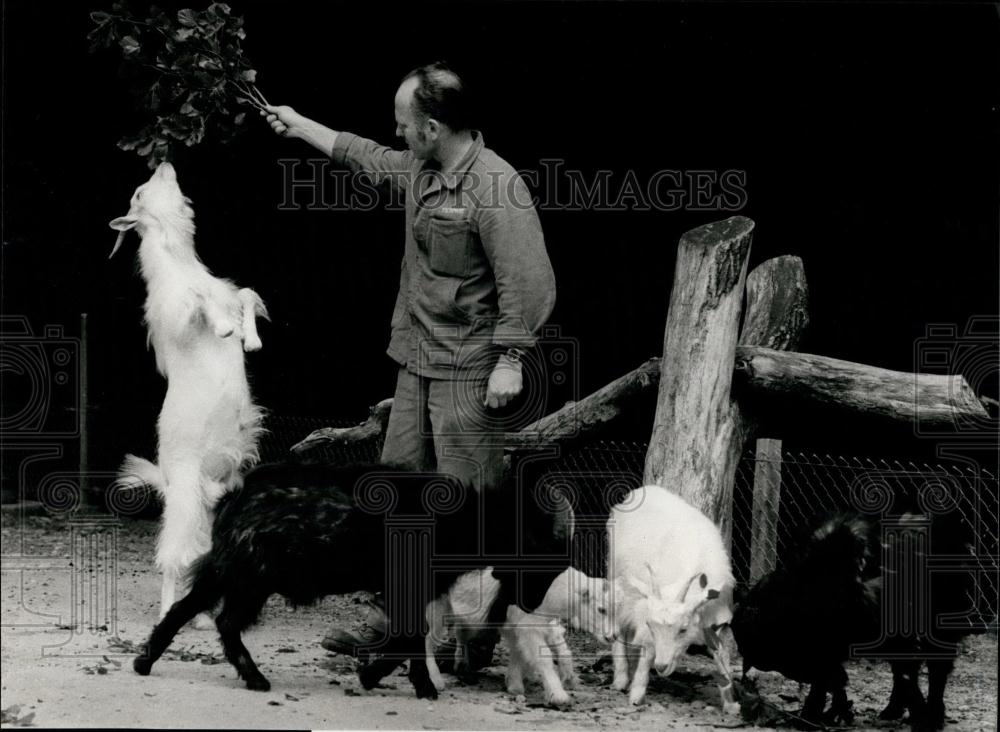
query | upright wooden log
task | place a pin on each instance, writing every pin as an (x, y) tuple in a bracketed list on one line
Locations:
[(776, 316), (766, 502), (699, 347)]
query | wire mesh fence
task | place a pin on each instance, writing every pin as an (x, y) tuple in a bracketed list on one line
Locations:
[(806, 487)]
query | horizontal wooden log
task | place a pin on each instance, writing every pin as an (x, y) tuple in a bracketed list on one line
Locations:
[(933, 400), (580, 419), (371, 429)]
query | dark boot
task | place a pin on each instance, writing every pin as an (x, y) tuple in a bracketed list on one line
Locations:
[(372, 630)]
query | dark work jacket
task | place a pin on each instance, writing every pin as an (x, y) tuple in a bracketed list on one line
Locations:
[(475, 277)]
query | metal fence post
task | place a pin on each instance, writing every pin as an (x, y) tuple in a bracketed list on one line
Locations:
[(766, 500)]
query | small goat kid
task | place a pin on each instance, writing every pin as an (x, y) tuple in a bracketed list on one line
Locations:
[(198, 325), (536, 641), (673, 588)]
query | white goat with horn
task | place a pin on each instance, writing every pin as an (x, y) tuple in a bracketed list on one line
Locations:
[(199, 325), (673, 586)]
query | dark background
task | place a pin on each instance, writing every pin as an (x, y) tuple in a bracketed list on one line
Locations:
[(868, 133)]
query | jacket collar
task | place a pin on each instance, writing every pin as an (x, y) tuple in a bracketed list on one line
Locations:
[(453, 177)]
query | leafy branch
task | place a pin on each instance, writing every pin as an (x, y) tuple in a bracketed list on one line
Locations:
[(186, 69)]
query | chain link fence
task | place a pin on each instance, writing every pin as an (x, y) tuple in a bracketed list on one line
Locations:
[(801, 489)]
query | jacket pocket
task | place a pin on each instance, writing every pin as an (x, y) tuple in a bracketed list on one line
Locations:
[(450, 246)]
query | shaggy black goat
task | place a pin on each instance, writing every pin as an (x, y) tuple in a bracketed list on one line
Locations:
[(863, 587), (305, 532)]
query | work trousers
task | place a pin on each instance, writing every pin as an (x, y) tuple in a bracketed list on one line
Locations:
[(443, 425)]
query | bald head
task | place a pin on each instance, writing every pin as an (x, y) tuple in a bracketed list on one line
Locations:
[(436, 92)]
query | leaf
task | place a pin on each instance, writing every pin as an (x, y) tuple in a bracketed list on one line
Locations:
[(145, 149), (249, 75), (209, 63), (187, 18), (182, 34), (219, 10), (197, 135), (240, 118), (129, 45), (100, 17)]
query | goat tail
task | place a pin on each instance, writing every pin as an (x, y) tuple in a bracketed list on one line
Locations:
[(136, 472)]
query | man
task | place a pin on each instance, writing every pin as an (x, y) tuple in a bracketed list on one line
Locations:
[(475, 284)]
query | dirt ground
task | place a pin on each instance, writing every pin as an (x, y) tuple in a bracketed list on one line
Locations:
[(79, 594)]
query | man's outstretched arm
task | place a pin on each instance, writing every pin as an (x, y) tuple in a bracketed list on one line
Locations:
[(288, 123)]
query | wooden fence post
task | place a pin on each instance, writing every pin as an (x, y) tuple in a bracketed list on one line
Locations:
[(766, 501), (699, 347)]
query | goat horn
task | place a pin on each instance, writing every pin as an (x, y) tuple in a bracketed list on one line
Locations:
[(687, 586), (655, 588)]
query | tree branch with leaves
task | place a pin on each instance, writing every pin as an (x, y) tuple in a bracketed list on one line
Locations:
[(186, 69)]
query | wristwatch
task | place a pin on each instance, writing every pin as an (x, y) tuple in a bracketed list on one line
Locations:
[(514, 355)]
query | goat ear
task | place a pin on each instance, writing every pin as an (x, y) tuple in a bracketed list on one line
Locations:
[(123, 223)]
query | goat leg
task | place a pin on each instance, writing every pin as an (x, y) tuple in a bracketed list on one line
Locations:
[(720, 654), (203, 595), (217, 318), (421, 680), (938, 671), (905, 691), (841, 708), (640, 680), (252, 305), (619, 657), (812, 709), (899, 695)]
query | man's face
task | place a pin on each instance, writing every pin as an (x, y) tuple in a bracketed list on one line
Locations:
[(408, 126)]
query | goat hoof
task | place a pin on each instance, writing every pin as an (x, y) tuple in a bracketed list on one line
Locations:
[(559, 701), (369, 677), (636, 699), (142, 665), (892, 712), (425, 691), (840, 717), (259, 684)]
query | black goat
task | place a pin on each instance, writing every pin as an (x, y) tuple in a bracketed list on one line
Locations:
[(306, 532), (861, 587)]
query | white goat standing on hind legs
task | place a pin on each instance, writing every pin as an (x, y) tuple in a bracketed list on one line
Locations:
[(199, 325)]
